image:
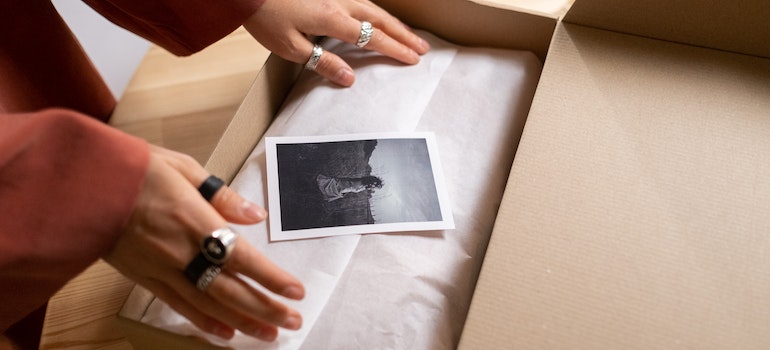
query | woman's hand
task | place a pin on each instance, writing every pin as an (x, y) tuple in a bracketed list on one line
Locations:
[(164, 234), (282, 26)]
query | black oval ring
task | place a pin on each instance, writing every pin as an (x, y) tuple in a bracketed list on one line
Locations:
[(210, 186), (196, 268)]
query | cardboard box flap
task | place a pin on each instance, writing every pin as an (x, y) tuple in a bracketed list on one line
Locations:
[(474, 24), (736, 26), (636, 213), (546, 8)]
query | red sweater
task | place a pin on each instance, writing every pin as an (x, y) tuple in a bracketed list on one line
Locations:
[(68, 182)]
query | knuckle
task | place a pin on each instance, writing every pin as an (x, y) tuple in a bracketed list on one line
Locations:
[(224, 197), (187, 160), (296, 51), (337, 16)]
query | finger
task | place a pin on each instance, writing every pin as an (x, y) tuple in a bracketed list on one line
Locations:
[(255, 265), (395, 29), (235, 208), (391, 26), (388, 46), (206, 303), (238, 295), (230, 205), (334, 68), (349, 31), (199, 319)]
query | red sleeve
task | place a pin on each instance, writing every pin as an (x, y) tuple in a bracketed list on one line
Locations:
[(42, 65), (180, 26), (68, 185)]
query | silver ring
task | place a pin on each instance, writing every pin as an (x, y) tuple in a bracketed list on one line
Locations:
[(218, 247), (312, 62), (208, 276), (366, 34)]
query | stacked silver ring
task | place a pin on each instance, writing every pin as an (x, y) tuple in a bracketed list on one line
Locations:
[(207, 277), (216, 249), (366, 34), (312, 62)]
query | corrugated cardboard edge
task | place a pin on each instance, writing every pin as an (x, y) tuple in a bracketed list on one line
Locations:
[(253, 117), (735, 26), (475, 24), (544, 8)]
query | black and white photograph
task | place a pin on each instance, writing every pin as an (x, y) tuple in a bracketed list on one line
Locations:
[(353, 184)]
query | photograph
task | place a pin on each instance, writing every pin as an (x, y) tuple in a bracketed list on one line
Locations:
[(354, 184)]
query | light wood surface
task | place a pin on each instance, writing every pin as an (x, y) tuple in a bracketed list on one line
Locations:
[(181, 103), (185, 103)]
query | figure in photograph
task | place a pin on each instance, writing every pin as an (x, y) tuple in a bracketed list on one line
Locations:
[(333, 188), (355, 182)]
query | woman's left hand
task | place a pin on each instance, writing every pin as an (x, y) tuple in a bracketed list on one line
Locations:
[(283, 27)]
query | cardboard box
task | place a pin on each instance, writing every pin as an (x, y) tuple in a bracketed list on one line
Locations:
[(513, 24), (636, 207), (636, 214)]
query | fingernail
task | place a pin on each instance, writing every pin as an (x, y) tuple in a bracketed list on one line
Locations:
[(293, 322), (294, 292), (344, 77), (414, 57), (253, 211), (423, 45)]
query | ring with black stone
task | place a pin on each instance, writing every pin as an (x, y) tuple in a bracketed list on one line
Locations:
[(218, 247)]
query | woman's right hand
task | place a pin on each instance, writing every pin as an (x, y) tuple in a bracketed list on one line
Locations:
[(282, 26), (163, 236)]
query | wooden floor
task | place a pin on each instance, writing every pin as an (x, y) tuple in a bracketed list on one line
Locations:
[(184, 103), (181, 103)]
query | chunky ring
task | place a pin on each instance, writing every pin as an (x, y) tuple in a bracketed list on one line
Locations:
[(312, 62), (218, 247), (366, 34), (207, 277), (197, 268), (210, 186)]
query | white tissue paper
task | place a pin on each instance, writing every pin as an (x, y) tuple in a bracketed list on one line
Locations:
[(408, 290)]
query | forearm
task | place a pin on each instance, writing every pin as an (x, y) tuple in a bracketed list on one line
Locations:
[(68, 185)]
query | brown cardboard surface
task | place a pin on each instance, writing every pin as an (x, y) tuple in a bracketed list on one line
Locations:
[(737, 26), (637, 211)]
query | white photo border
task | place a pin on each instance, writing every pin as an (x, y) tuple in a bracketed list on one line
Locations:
[(278, 234)]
